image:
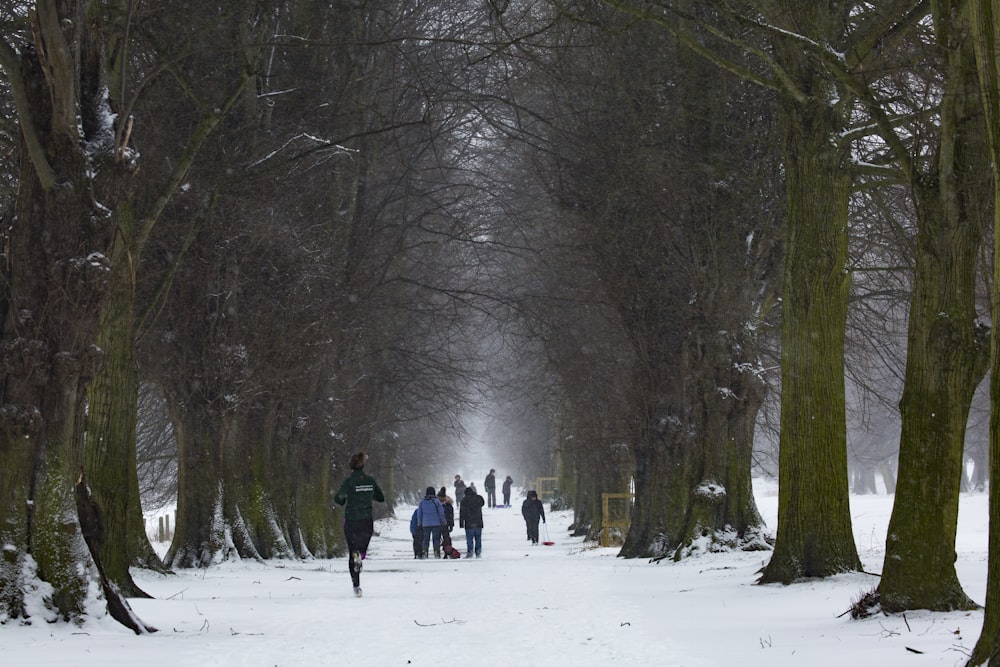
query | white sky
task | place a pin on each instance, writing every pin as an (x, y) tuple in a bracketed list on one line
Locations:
[(566, 604)]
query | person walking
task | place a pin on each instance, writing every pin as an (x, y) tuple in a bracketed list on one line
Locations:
[(470, 517), (532, 510), (430, 518), (506, 491), (355, 495), (459, 489), (491, 488)]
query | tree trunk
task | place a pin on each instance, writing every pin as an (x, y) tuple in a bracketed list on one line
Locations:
[(814, 535), (946, 353), (52, 293), (201, 537), (111, 423), (985, 21)]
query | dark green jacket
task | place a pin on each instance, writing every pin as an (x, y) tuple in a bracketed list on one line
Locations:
[(357, 492)]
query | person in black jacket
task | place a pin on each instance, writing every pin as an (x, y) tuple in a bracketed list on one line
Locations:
[(506, 490), (532, 510), (470, 517), (490, 484)]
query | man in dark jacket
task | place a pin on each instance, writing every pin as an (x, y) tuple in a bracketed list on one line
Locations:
[(356, 495), (491, 488), (470, 517), (532, 510)]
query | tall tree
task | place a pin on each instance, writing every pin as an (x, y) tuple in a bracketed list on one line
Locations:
[(110, 430), (60, 60), (946, 344), (985, 21)]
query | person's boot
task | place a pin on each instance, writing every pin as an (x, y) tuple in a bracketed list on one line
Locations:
[(437, 552)]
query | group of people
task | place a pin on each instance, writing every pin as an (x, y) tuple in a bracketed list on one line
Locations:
[(433, 520), (490, 485)]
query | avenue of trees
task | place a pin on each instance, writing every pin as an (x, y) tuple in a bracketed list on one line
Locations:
[(243, 240)]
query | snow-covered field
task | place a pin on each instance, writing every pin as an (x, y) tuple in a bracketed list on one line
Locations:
[(566, 604)]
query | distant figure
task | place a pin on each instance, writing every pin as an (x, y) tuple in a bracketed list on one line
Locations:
[(506, 491), (491, 488), (459, 489), (470, 517), (417, 533), (430, 518), (356, 495), (532, 510)]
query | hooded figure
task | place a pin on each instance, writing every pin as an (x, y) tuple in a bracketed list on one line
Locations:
[(430, 518), (507, 483), (532, 510)]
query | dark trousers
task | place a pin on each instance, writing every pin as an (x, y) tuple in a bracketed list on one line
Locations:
[(491, 497), (418, 543), (506, 498), (357, 534), (532, 529)]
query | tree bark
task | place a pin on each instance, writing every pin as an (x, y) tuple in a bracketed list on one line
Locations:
[(814, 535), (946, 348), (53, 292), (985, 21), (111, 423)]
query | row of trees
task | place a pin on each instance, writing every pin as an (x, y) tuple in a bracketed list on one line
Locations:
[(306, 228)]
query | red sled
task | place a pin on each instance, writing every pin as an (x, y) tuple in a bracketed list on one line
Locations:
[(451, 552)]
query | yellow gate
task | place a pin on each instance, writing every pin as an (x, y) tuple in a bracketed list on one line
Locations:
[(616, 511)]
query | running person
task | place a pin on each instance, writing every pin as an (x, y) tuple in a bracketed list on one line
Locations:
[(356, 495)]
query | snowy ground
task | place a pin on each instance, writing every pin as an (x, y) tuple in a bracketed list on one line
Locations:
[(566, 604)]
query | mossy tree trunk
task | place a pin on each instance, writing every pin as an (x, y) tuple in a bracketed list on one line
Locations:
[(946, 347), (113, 396), (814, 534), (110, 433), (985, 22), (73, 174), (202, 533)]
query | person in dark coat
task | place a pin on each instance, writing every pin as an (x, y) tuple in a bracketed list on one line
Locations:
[(506, 491), (449, 516), (470, 517), (459, 488), (430, 518), (356, 495), (532, 510), (491, 488)]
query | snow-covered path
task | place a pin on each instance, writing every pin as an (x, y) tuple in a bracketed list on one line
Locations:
[(566, 604)]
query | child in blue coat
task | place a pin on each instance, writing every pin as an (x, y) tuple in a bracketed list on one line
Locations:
[(418, 535)]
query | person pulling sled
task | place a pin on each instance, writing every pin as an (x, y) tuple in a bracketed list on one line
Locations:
[(532, 510)]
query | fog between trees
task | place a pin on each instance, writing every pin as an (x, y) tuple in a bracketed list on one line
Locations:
[(651, 247)]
